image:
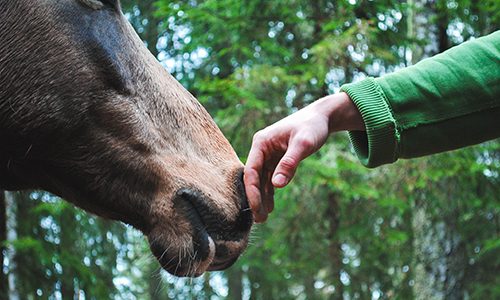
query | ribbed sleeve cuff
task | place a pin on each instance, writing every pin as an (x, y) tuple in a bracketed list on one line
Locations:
[(379, 143)]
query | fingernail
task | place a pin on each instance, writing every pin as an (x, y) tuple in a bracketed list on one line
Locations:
[(280, 180)]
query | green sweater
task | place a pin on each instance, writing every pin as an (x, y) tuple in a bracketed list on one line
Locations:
[(449, 101)]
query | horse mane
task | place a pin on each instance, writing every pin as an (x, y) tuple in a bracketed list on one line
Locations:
[(94, 4)]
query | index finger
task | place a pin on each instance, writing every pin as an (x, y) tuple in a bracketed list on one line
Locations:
[(252, 180)]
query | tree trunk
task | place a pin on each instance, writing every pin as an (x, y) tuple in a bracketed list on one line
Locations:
[(4, 284), (11, 213), (481, 25), (235, 284), (440, 257), (207, 289), (442, 26), (317, 7), (68, 273), (334, 251), (413, 53), (309, 290), (157, 288)]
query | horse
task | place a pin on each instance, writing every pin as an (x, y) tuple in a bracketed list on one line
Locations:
[(88, 114)]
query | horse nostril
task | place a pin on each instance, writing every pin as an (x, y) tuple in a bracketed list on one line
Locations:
[(245, 217), (188, 194), (240, 188)]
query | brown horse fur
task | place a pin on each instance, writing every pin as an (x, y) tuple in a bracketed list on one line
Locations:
[(87, 113)]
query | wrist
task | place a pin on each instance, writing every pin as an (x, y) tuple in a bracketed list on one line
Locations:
[(341, 112)]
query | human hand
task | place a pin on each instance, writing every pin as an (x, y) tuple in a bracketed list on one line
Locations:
[(278, 149)]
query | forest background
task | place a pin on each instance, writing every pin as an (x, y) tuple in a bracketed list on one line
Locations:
[(424, 229)]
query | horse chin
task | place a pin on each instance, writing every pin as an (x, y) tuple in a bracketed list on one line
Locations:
[(198, 229), (192, 258), (196, 267), (204, 265)]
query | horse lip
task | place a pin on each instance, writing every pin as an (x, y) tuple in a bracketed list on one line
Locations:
[(186, 266), (219, 266), (206, 227), (201, 237), (202, 266)]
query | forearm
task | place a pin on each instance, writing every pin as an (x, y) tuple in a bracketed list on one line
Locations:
[(443, 103), (341, 112)]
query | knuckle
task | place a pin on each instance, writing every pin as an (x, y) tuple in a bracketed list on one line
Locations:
[(288, 163), (270, 207), (305, 143), (259, 136), (261, 218), (254, 205), (249, 173)]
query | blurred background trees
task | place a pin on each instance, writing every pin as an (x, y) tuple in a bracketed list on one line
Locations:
[(426, 228)]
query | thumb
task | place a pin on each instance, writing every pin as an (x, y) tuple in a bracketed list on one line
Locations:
[(285, 170)]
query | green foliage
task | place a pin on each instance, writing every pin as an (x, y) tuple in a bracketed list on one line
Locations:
[(339, 230), (63, 249)]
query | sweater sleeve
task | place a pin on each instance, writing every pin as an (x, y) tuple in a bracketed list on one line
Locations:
[(446, 102)]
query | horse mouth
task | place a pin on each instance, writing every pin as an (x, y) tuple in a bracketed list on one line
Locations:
[(184, 262), (221, 265), (214, 243)]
